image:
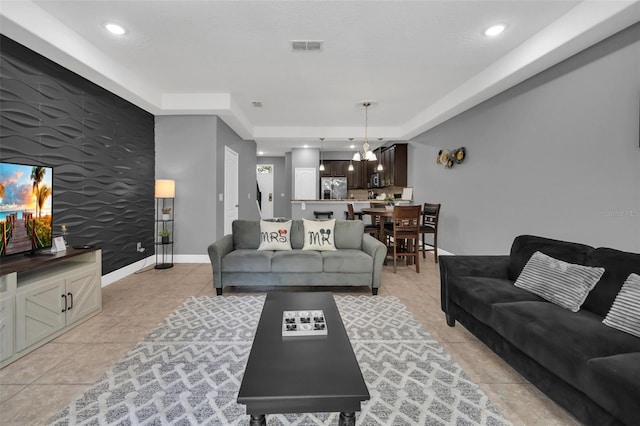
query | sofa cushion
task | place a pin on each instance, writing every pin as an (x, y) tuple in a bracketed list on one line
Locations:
[(614, 383), (477, 295), (617, 267), (348, 234), (275, 235), (297, 234), (247, 260), (562, 283), (559, 340), (625, 311), (524, 246), (296, 261), (347, 260), (246, 234)]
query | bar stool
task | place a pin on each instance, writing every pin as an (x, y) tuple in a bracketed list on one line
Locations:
[(318, 214)]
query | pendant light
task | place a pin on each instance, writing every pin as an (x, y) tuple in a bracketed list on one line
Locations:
[(321, 168), (350, 168), (366, 154)]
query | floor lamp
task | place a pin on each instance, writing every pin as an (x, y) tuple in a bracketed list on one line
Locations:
[(165, 194)]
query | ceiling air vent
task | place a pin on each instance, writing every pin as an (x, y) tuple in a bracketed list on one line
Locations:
[(306, 45)]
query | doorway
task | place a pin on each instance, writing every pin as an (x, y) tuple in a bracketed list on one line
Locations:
[(264, 176)]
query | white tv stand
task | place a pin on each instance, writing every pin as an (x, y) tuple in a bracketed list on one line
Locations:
[(42, 297)]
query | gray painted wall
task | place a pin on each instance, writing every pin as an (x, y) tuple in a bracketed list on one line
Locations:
[(288, 177), (186, 152), (555, 156), (246, 150), (190, 149)]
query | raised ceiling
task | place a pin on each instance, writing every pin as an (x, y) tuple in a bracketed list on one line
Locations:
[(420, 62)]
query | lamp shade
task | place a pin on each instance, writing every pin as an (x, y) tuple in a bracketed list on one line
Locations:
[(165, 188)]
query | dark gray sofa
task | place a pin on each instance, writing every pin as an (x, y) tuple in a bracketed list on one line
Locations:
[(236, 260), (590, 369)]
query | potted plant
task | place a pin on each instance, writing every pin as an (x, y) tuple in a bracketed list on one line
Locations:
[(391, 201), (166, 213), (164, 234)]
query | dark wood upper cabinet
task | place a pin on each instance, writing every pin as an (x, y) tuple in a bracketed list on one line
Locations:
[(356, 179), (335, 168), (394, 162)]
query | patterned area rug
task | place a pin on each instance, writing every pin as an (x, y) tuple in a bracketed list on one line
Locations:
[(189, 369)]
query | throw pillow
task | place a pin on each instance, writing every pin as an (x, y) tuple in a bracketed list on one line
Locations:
[(565, 284), (318, 234), (625, 311), (275, 235)]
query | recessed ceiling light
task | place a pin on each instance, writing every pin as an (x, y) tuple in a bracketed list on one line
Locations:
[(306, 146), (260, 152), (495, 30), (115, 28)]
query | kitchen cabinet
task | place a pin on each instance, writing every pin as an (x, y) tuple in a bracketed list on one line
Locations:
[(356, 179), (335, 168), (394, 162)]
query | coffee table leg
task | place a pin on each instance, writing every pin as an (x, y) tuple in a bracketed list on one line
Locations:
[(259, 420), (347, 419)]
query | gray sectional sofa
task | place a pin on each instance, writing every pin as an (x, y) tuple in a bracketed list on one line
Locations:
[(236, 260), (589, 368)]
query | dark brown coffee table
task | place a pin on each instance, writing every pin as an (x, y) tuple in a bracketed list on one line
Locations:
[(305, 374)]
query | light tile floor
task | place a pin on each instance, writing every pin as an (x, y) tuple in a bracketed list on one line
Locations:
[(36, 387)]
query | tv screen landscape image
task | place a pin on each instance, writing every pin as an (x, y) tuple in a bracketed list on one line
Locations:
[(26, 194)]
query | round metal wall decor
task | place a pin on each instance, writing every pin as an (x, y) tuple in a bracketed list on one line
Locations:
[(448, 159)]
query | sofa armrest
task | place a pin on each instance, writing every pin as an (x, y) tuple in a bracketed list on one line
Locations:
[(217, 251), (378, 251), (474, 266)]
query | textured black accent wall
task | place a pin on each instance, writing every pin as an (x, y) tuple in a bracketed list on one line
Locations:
[(100, 146)]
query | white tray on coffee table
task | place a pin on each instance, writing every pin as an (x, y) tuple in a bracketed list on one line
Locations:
[(304, 323)]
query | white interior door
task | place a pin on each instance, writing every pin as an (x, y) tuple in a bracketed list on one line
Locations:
[(230, 188), (305, 183), (264, 176)]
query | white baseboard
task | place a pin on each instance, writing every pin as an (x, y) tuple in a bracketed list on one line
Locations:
[(444, 253), (191, 258), (124, 272), (121, 273)]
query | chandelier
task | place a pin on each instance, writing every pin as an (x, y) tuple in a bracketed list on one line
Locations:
[(365, 154)]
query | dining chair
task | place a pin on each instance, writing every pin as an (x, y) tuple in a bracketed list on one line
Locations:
[(403, 234), (374, 227), (368, 228), (429, 225), (351, 215), (319, 214)]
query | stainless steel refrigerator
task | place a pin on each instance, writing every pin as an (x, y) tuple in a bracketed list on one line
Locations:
[(333, 188)]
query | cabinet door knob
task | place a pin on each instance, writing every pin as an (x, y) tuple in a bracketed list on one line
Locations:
[(65, 303)]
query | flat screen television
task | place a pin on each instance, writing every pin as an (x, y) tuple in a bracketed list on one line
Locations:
[(26, 213)]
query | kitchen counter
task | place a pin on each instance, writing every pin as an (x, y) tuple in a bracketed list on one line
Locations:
[(304, 208)]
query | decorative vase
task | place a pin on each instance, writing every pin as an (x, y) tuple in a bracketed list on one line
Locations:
[(165, 239), (166, 216)]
